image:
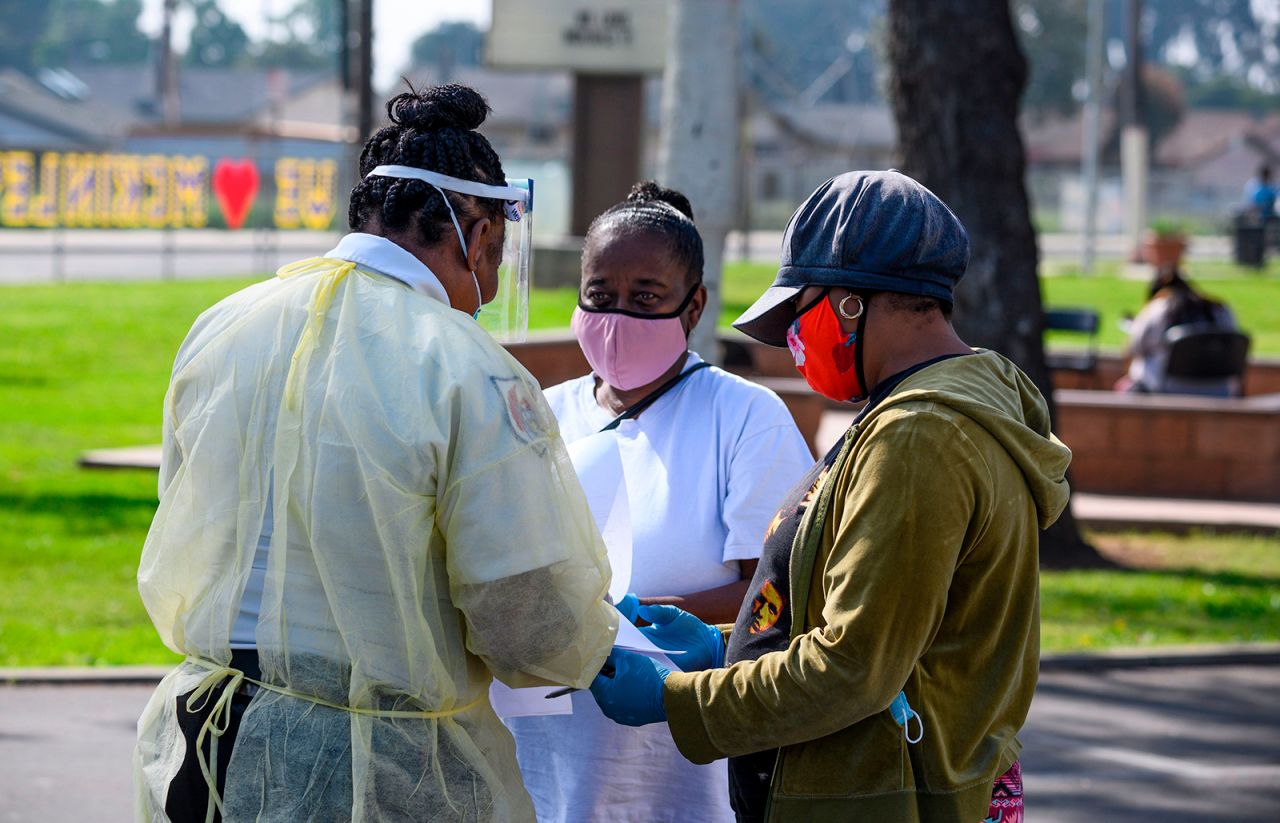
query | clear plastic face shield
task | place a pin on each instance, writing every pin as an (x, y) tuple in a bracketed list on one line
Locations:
[(506, 317)]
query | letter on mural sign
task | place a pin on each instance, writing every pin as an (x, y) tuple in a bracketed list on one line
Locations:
[(305, 193), (127, 191)]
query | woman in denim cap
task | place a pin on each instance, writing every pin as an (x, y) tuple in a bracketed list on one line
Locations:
[(887, 653)]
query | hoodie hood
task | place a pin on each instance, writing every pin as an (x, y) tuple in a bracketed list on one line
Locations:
[(990, 390)]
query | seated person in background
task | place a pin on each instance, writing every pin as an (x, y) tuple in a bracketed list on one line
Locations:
[(1172, 302), (706, 465)]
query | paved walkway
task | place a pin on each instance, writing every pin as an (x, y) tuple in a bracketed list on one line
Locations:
[(65, 752), (1169, 745), (1128, 745), (82, 255), (1113, 512)]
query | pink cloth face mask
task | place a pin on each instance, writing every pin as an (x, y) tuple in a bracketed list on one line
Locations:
[(629, 350)]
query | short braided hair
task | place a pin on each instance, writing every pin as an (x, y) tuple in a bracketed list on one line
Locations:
[(917, 304), (653, 209), (431, 128)]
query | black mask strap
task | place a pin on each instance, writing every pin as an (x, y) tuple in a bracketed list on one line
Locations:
[(684, 304), (862, 345), (812, 303)]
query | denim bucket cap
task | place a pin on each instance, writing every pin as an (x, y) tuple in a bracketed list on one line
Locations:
[(866, 231)]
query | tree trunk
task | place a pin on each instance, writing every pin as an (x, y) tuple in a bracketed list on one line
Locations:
[(956, 76), (698, 147)]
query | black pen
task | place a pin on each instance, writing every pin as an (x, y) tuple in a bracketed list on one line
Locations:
[(607, 671)]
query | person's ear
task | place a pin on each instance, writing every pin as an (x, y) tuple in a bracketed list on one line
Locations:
[(479, 236), (696, 306)]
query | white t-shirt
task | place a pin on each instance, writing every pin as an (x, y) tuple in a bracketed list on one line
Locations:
[(706, 467)]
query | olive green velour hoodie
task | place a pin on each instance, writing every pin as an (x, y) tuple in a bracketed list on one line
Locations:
[(916, 569)]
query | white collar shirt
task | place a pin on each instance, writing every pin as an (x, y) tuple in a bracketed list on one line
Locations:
[(382, 256)]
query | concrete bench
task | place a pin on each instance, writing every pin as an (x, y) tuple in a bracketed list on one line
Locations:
[(130, 457)]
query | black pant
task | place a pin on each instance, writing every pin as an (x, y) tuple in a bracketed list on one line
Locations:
[(188, 795)]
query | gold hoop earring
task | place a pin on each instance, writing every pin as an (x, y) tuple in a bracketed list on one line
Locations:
[(861, 307)]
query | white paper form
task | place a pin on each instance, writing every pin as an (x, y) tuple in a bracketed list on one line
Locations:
[(633, 640), (598, 463), (509, 702)]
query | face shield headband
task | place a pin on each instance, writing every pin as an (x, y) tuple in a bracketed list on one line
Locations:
[(506, 317)]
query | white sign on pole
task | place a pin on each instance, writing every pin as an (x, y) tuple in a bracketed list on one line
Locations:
[(586, 36)]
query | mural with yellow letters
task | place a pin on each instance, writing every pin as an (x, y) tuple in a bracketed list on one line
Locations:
[(155, 191)]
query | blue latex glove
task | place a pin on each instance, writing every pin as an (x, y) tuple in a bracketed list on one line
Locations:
[(677, 630), (628, 606), (633, 695)]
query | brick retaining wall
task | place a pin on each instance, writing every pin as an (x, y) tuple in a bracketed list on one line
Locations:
[(1172, 446)]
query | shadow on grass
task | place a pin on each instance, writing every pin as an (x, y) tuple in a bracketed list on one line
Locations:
[(1193, 575), (24, 380), (83, 513)]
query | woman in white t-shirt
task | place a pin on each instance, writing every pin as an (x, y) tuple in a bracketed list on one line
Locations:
[(707, 456)]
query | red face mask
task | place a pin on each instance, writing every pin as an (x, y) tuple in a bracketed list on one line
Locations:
[(825, 354)]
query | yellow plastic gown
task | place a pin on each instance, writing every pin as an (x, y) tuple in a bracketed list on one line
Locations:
[(429, 531)]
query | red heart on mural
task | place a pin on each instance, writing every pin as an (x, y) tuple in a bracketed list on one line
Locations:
[(235, 184)]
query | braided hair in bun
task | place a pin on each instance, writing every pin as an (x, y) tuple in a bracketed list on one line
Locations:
[(431, 128), (658, 211)]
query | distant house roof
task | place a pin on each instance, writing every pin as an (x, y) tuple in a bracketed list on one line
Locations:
[(316, 103), (1202, 135), (1233, 165), (843, 126), (213, 96), (520, 97), (32, 116), (1058, 140)]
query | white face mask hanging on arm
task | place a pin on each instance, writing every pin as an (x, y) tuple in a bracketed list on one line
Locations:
[(506, 317)]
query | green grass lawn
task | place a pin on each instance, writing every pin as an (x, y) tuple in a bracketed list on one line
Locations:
[(86, 365), (81, 366), (1175, 589)]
